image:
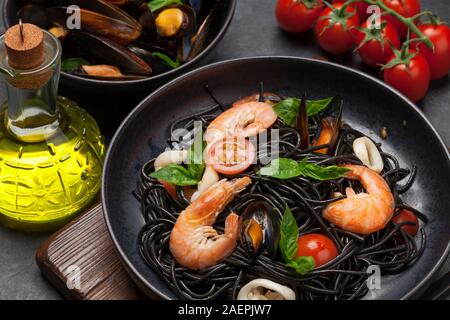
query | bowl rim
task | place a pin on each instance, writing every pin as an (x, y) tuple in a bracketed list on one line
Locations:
[(161, 76), (131, 269)]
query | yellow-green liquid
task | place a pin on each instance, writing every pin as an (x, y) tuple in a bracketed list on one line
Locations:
[(44, 184)]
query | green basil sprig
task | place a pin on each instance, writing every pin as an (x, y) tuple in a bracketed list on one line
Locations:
[(189, 175), (177, 174), (284, 168), (288, 109), (155, 5), (164, 57), (289, 246)]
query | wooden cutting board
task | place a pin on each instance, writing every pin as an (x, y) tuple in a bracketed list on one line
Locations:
[(81, 261)]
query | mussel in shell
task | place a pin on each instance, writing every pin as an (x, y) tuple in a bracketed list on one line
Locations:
[(126, 38), (102, 49), (329, 127), (260, 230)]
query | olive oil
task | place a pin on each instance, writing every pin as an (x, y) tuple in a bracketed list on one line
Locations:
[(51, 150)]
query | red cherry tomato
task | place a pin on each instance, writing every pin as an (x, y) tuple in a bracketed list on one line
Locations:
[(333, 29), (318, 246), (375, 45), (170, 188), (361, 8), (297, 16), (407, 216), (410, 76), (439, 61), (231, 156), (407, 8)]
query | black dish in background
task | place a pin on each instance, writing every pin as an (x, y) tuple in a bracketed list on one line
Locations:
[(369, 106), (80, 85)]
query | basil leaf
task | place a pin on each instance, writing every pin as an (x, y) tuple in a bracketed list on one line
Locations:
[(314, 171), (196, 166), (302, 265), (166, 59), (289, 235), (155, 5), (73, 64), (284, 168), (281, 168), (287, 110), (314, 107), (177, 175)]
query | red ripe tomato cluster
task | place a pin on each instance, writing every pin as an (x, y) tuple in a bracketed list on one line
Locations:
[(408, 62)]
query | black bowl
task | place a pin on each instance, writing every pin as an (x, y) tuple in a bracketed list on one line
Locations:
[(72, 83), (369, 105)]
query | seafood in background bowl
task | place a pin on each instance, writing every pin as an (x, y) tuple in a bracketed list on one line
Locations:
[(125, 46)]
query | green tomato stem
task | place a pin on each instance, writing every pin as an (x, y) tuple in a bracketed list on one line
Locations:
[(409, 22)]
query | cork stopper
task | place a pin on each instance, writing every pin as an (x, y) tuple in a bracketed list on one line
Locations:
[(24, 46)]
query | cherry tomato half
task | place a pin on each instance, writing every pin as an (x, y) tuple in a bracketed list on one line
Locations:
[(318, 246), (333, 29), (407, 8), (231, 156), (411, 78), (439, 61), (407, 216), (170, 188), (297, 16), (375, 45)]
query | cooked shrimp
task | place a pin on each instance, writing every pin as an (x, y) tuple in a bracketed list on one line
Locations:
[(363, 213), (244, 120), (254, 98), (194, 243)]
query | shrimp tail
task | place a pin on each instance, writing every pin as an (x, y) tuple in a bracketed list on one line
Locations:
[(232, 226)]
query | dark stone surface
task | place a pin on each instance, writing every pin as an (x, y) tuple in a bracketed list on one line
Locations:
[(253, 32)]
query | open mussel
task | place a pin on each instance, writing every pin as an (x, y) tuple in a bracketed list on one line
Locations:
[(192, 45), (111, 53), (329, 127), (260, 231), (106, 21), (174, 21)]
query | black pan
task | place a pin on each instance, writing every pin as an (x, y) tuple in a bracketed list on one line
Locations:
[(369, 106)]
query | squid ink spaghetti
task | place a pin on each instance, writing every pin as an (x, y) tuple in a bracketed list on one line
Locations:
[(312, 199)]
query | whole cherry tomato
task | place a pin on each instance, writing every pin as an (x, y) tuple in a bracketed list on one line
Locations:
[(408, 72), (297, 16), (318, 246), (407, 216), (375, 44), (361, 8), (333, 29), (439, 60), (407, 8)]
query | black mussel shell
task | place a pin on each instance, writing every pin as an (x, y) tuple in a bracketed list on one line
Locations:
[(105, 51), (330, 126), (260, 230), (146, 53)]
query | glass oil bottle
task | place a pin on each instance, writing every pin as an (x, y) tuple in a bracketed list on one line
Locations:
[(51, 150)]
